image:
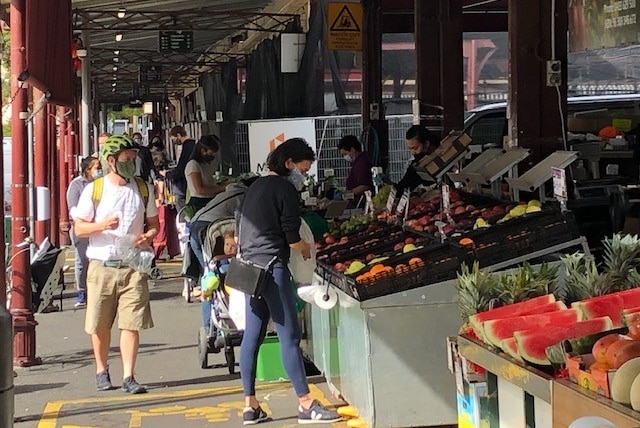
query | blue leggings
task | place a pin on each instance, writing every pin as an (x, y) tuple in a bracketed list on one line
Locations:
[(277, 300)]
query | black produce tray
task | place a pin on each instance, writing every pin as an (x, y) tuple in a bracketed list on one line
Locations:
[(520, 236), (440, 262)]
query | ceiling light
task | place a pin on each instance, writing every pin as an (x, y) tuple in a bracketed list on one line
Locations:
[(116, 59), (118, 37), (116, 52), (122, 12), (115, 68), (114, 84)]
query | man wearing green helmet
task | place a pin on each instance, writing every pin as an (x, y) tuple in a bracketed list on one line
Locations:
[(113, 287)]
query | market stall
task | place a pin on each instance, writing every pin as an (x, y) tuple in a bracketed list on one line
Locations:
[(382, 347)]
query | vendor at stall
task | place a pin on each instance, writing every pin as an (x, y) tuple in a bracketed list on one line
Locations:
[(420, 142), (359, 177)]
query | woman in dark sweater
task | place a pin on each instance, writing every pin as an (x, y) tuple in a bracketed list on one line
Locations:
[(269, 224)]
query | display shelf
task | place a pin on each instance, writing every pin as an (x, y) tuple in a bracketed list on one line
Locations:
[(529, 379), (571, 401)]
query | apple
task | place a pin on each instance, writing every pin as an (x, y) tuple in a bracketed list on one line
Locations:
[(344, 240), (399, 246), (339, 267), (409, 240), (370, 257), (330, 240)]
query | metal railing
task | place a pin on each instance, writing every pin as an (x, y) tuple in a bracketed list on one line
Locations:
[(329, 130)]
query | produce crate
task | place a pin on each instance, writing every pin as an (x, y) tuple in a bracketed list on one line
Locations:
[(439, 262), (357, 248), (521, 236)]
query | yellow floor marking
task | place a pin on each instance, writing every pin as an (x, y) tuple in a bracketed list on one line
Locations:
[(52, 409)]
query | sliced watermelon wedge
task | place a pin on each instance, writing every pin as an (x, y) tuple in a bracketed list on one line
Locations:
[(495, 331), (541, 309), (532, 344), (521, 308), (511, 349), (610, 305)]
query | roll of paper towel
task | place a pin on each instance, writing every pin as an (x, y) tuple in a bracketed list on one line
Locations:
[(326, 298)]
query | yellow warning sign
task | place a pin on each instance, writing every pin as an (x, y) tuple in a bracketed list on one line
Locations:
[(344, 26)]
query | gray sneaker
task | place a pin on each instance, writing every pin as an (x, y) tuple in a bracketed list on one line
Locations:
[(103, 381), (317, 414), (251, 416), (130, 385)]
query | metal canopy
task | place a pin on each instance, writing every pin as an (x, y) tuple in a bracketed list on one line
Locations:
[(220, 29)]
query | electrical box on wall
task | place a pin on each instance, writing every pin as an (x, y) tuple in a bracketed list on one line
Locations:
[(554, 73), (374, 111)]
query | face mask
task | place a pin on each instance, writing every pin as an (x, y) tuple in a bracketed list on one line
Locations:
[(208, 158), (296, 178), (126, 169), (97, 173), (347, 158), (137, 140)]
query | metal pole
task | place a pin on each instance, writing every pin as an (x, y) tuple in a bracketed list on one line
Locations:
[(61, 176), (85, 115), (24, 339), (30, 192), (41, 169), (52, 154), (6, 368)]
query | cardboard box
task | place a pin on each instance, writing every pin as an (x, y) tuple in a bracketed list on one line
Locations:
[(598, 381), (450, 148)]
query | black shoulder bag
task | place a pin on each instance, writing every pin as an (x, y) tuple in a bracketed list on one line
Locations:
[(246, 276)]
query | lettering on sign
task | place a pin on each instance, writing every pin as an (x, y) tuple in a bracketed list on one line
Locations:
[(344, 22)]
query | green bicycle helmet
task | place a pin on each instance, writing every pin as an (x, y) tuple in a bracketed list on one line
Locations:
[(115, 144)]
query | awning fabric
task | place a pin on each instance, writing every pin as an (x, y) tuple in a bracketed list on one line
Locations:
[(48, 49)]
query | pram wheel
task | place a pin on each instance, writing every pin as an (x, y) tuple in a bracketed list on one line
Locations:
[(156, 273), (203, 348), (230, 356)]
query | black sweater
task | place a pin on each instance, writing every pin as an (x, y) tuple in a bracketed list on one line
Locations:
[(269, 220)]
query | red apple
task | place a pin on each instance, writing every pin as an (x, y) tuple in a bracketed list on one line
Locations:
[(330, 239), (399, 246), (370, 257), (339, 267)]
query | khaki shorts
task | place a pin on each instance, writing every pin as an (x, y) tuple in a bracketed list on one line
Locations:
[(116, 291)]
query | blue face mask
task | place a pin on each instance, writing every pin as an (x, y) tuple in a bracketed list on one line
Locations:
[(97, 173), (296, 178)]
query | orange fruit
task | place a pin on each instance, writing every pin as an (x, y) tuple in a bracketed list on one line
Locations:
[(416, 263), (376, 269), (466, 242)]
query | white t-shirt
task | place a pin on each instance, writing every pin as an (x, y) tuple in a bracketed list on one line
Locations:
[(207, 172), (123, 201)]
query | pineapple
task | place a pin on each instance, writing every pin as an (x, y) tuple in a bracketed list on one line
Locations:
[(526, 283), (622, 260), (583, 280), (476, 289)]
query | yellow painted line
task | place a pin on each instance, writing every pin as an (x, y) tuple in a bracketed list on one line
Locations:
[(52, 409)]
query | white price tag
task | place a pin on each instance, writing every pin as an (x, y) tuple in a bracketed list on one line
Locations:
[(311, 202), (348, 196), (403, 203), (329, 172), (446, 198), (368, 209), (391, 200), (305, 195), (559, 183)]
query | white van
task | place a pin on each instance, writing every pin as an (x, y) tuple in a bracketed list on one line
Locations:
[(487, 125)]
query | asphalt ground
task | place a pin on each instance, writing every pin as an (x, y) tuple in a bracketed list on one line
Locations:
[(61, 393)]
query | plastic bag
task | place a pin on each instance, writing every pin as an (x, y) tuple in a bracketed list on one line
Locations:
[(237, 307), (138, 259), (302, 270)]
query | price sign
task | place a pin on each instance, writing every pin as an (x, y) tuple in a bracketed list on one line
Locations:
[(311, 202), (368, 209), (446, 198), (329, 172), (391, 200), (305, 195), (559, 183), (175, 41), (403, 204), (348, 196)]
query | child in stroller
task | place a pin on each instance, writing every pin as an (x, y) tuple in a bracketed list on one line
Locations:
[(218, 330)]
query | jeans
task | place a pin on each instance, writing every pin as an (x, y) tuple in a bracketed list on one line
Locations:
[(278, 301), (81, 264), (195, 229)]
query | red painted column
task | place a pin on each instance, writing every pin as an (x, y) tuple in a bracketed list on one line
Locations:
[(52, 180), (61, 174), (40, 165), (24, 335)]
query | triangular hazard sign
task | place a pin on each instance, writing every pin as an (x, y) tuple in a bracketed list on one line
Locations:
[(345, 21)]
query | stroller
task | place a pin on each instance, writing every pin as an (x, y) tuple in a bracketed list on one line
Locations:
[(221, 331)]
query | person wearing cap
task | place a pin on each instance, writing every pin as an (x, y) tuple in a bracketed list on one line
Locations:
[(113, 287), (421, 142)]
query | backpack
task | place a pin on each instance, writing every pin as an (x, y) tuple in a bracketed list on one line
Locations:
[(98, 184)]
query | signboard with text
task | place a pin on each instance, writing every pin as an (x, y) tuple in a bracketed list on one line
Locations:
[(265, 136), (175, 41), (599, 24), (344, 26)]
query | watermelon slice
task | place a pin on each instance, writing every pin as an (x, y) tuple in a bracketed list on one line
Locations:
[(495, 331), (521, 308), (532, 344), (610, 305), (511, 349)]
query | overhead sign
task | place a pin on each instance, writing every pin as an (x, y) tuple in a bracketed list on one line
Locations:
[(599, 24), (175, 41), (150, 73), (344, 26), (265, 136)]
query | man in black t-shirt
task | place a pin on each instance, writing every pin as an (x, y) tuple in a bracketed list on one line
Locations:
[(178, 180)]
